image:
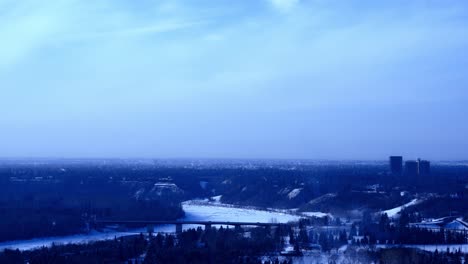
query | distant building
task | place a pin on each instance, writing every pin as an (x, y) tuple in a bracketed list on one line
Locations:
[(396, 165), (424, 167), (411, 168)]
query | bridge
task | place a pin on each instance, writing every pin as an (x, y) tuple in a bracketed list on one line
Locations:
[(179, 224)]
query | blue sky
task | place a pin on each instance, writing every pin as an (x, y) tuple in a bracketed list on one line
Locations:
[(318, 79)]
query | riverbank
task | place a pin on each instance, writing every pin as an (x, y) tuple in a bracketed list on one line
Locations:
[(195, 210)]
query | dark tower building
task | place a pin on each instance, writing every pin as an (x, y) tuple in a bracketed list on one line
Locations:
[(396, 165), (411, 168), (424, 167)]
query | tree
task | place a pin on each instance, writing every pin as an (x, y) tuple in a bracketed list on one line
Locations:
[(383, 222)]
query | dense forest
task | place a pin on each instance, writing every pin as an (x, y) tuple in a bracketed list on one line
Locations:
[(51, 202), (191, 246), (212, 246)]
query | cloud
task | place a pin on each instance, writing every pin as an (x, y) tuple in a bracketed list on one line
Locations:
[(173, 75), (26, 27), (284, 5)]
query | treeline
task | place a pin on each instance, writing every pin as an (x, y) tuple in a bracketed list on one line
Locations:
[(121, 250), (221, 245), (317, 240), (414, 256), (192, 246), (213, 246), (368, 233), (271, 188), (386, 231), (64, 205), (306, 238)]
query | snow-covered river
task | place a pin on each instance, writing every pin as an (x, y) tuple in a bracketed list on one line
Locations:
[(194, 210)]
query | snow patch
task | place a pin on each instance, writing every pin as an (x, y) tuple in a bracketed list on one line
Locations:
[(195, 211), (227, 182), (216, 199), (395, 211), (322, 198), (294, 193), (316, 214), (77, 239)]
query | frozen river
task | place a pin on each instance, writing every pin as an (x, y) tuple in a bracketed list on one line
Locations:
[(205, 211), (194, 210)]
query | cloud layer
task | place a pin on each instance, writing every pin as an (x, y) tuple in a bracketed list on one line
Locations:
[(263, 79)]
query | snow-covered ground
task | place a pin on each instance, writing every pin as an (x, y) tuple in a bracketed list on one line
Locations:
[(217, 198), (205, 211), (456, 225), (294, 193), (79, 238), (194, 210), (316, 214), (395, 211)]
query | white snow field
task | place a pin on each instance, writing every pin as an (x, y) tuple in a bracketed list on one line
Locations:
[(80, 238), (205, 211), (196, 210), (395, 211), (294, 193), (316, 214)]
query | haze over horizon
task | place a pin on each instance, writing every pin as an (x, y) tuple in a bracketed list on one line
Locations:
[(311, 79)]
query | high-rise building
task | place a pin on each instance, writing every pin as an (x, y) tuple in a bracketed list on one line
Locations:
[(424, 167), (396, 165), (411, 168)]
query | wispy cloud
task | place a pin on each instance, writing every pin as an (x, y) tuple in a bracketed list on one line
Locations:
[(26, 26), (29, 26), (284, 5), (178, 74)]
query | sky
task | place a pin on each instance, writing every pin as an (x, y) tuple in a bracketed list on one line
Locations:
[(283, 79)]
